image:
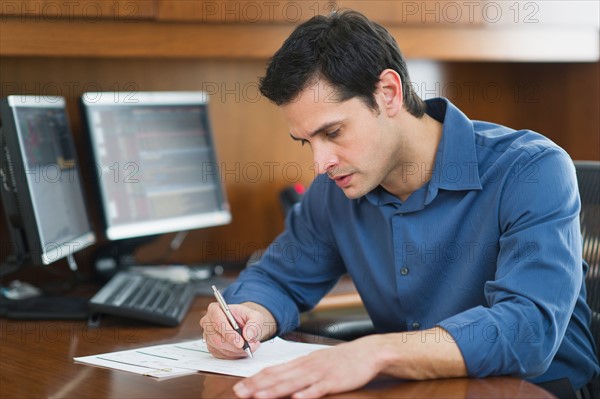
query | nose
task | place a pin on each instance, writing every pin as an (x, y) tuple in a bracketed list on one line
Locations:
[(325, 160)]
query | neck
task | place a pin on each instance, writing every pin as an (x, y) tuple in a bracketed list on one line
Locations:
[(417, 152)]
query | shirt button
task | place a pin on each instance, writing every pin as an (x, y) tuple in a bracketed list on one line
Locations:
[(404, 271), (416, 325)]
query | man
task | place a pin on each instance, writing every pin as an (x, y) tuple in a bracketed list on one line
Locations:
[(462, 237)]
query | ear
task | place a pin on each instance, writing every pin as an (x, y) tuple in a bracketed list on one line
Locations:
[(389, 89)]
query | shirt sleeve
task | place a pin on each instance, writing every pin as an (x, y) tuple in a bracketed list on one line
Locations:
[(539, 272), (298, 268)]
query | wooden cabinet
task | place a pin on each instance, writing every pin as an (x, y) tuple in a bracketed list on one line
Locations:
[(90, 10), (441, 29), (289, 11)]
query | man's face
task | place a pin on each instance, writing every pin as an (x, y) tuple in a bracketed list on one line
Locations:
[(355, 145)]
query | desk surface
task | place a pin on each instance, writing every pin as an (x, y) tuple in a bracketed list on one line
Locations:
[(36, 360)]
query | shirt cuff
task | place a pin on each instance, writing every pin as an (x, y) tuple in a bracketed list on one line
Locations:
[(282, 308), (484, 343)]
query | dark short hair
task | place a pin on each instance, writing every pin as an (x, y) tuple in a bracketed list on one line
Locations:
[(347, 50)]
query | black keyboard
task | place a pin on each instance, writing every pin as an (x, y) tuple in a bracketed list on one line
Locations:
[(142, 297)]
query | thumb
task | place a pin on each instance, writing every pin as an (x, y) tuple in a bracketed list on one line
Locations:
[(252, 331)]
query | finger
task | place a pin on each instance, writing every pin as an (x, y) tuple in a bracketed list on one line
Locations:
[(254, 345), (251, 332), (217, 326), (221, 344), (251, 322), (274, 388), (221, 339), (277, 381), (213, 318), (220, 347), (223, 352), (316, 390)]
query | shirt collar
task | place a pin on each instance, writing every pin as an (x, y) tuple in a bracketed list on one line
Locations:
[(456, 166)]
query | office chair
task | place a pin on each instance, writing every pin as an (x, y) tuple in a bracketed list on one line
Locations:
[(347, 325), (588, 179)]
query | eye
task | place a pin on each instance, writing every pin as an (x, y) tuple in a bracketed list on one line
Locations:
[(332, 135), (302, 141)]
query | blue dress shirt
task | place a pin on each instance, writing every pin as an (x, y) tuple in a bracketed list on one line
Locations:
[(489, 249)]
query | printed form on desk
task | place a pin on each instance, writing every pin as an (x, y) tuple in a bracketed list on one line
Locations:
[(175, 360)]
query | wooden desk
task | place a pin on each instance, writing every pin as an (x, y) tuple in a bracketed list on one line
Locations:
[(36, 360)]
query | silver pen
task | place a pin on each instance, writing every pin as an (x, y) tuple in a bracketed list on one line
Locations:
[(231, 319)]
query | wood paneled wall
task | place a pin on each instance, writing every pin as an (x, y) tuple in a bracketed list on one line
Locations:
[(560, 100)]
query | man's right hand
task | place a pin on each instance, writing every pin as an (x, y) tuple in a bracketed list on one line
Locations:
[(223, 341)]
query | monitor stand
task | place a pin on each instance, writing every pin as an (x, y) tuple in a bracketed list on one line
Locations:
[(113, 256)]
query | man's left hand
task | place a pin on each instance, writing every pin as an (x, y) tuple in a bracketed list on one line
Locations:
[(341, 368)]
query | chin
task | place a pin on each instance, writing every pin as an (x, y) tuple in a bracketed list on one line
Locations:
[(354, 193), (358, 188)]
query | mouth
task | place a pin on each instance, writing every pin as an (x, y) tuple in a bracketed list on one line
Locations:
[(342, 181)]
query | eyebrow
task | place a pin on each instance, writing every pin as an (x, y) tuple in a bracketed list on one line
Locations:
[(321, 129)]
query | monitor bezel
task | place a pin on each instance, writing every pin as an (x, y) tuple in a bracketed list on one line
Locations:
[(89, 100)]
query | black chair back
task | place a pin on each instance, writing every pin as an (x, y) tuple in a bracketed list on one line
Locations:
[(588, 178)]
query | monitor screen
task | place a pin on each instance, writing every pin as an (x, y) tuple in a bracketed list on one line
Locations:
[(42, 191), (156, 162)]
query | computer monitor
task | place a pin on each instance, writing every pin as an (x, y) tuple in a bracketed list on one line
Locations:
[(156, 162), (41, 191)]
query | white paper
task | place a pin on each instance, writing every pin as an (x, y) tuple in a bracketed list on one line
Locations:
[(173, 360)]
